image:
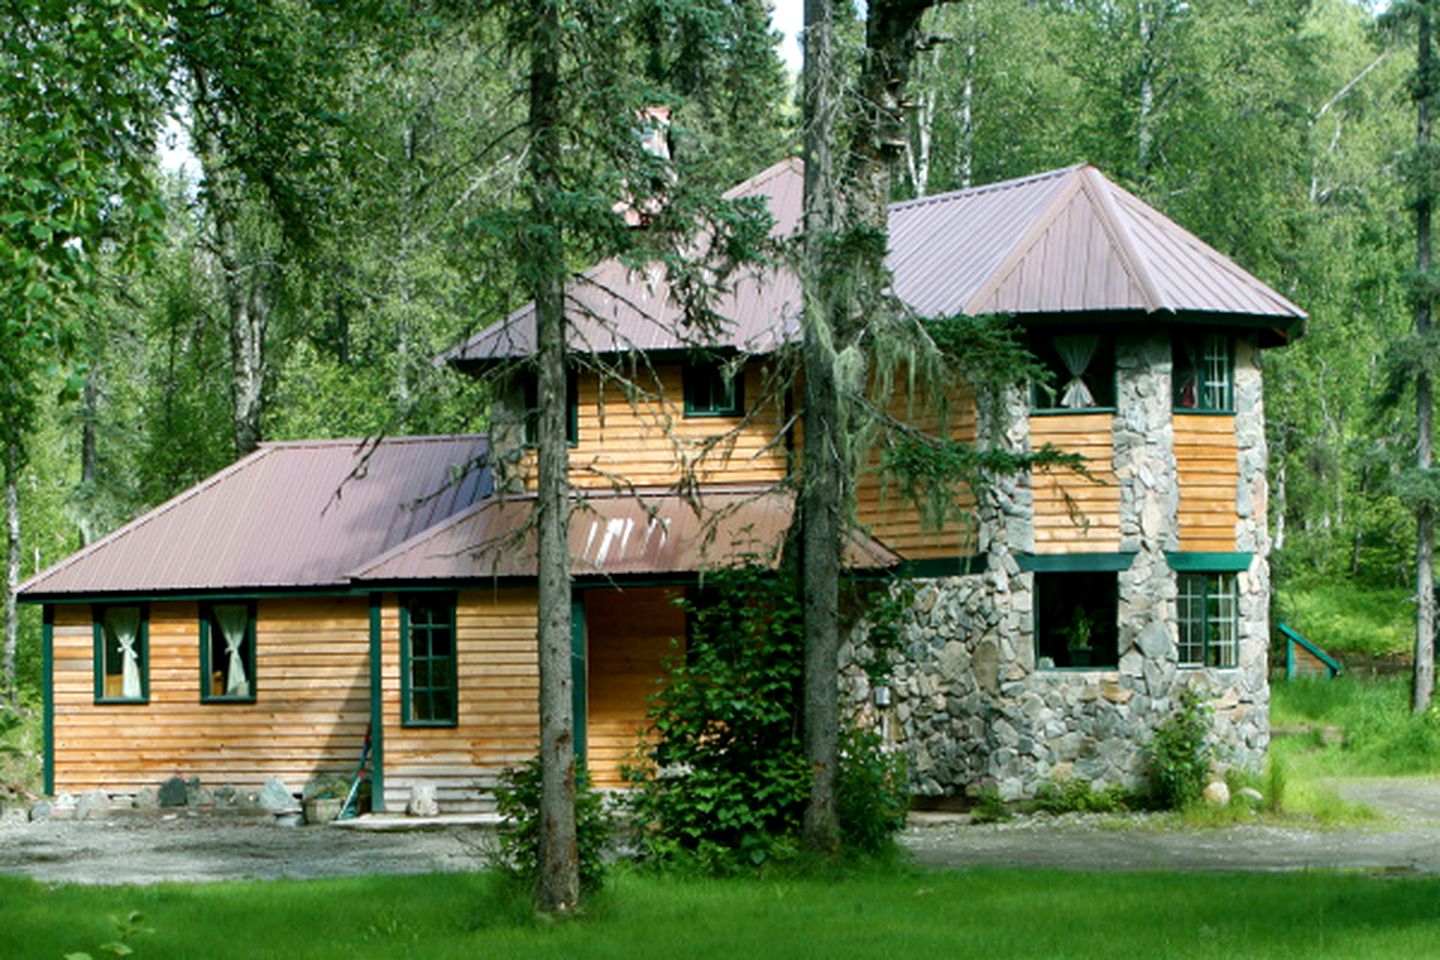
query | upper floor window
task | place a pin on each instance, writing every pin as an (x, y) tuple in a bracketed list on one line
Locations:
[(1081, 368), (531, 392), (227, 652), (1207, 608), (710, 393), (427, 660), (122, 634), (1203, 374)]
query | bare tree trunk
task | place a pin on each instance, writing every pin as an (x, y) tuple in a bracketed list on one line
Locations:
[(1144, 135), (1278, 501), (89, 452), (1424, 679), (9, 686), (559, 881), (967, 98)]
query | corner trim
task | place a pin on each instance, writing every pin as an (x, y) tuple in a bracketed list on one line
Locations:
[(1074, 562), (377, 717), (47, 655)]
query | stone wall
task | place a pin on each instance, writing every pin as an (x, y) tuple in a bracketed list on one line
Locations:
[(968, 701)]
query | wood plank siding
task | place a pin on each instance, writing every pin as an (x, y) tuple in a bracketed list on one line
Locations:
[(629, 634), (650, 442), (1075, 513), (1209, 471), (893, 518), (309, 717), (498, 702)]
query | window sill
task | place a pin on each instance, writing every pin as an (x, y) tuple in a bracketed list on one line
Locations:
[(429, 724), (1068, 411), (1197, 412), (224, 700), (122, 701), (713, 415)]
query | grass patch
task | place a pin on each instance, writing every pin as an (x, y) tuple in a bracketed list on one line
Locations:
[(1372, 730), (991, 913), (21, 750), (1341, 616)]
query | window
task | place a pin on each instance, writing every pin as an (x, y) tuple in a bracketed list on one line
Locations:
[(710, 393), (427, 660), (1202, 374), (1208, 609), (531, 391), (1081, 368), (227, 652), (1076, 617), (122, 633)]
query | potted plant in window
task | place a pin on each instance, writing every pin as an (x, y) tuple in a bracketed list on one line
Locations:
[(1078, 638)]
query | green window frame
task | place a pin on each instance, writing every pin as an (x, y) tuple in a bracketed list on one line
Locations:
[(531, 398), (1203, 372), (1081, 368), (225, 678), (1208, 615), (710, 393), (112, 623), (428, 675)]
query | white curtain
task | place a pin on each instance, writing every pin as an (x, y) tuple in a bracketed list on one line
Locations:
[(124, 624), (1076, 352), (233, 619)]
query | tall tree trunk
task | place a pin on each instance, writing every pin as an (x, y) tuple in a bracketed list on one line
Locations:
[(1424, 678), (89, 452), (823, 471), (559, 880), (1144, 134), (966, 165), (9, 686)]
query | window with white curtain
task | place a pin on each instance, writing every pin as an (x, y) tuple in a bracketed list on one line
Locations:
[(1079, 371), (1203, 372), (227, 651), (121, 654)]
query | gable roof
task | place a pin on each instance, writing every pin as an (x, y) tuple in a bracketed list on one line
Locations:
[(1066, 241), (612, 533), (289, 515)]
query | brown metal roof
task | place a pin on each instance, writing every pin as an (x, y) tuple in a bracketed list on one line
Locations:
[(1060, 242), (298, 514), (611, 534)]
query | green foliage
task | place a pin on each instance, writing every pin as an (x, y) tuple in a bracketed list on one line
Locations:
[(1372, 731), (126, 929), (989, 806), (517, 799), (1079, 796), (1344, 616), (1179, 753), (724, 782)]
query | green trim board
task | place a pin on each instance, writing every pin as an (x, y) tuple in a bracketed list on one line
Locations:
[(1074, 562), (1293, 639), (142, 655), (1201, 562), (377, 715), (441, 697), (579, 688), (939, 567), (47, 669), (207, 628), (708, 394)]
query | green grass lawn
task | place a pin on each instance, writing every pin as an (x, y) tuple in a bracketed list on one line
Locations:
[(1380, 736), (992, 914), (1341, 616)]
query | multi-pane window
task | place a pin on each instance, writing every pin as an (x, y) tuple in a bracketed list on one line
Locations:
[(227, 652), (121, 656), (1080, 370), (710, 392), (1203, 372), (427, 657), (1208, 612)]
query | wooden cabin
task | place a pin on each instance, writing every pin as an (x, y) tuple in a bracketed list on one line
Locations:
[(260, 623)]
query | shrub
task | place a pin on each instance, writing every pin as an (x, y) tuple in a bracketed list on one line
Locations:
[(518, 801), (1079, 796), (989, 807), (1179, 754), (872, 794)]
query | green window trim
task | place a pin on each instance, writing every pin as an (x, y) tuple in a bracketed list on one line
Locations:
[(1207, 617), (1098, 374), (430, 616), (208, 630), (1074, 562), (100, 663), (531, 397), (47, 667), (1203, 373), (708, 393), (1200, 562)]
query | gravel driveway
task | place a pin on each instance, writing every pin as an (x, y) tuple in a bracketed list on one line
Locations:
[(129, 848)]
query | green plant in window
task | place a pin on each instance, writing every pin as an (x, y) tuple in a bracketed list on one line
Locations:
[(1079, 631)]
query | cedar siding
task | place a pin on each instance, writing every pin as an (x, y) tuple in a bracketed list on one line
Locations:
[(1075, 513), (1209, 472), (308, 718), (498, 702)]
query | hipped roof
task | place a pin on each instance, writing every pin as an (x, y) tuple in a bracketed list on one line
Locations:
[(612, 534), (1069, 241), (289, 515)]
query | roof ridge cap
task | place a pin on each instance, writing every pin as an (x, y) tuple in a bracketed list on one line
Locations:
[(1098, 187), (393, 439), (259, 453), (983, 188), (1016, 254)]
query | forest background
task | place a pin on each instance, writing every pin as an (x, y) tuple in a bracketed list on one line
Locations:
[(343, 221)]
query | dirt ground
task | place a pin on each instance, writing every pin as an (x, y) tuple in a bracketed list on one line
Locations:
[(127, 848)]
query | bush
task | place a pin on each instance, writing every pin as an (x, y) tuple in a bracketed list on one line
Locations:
[(1078, 796), (518, 801), (872, 794), (1179, 754)]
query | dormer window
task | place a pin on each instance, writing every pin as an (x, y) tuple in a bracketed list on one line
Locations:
[(1081, 368), (1203, 375), (710, 392)]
